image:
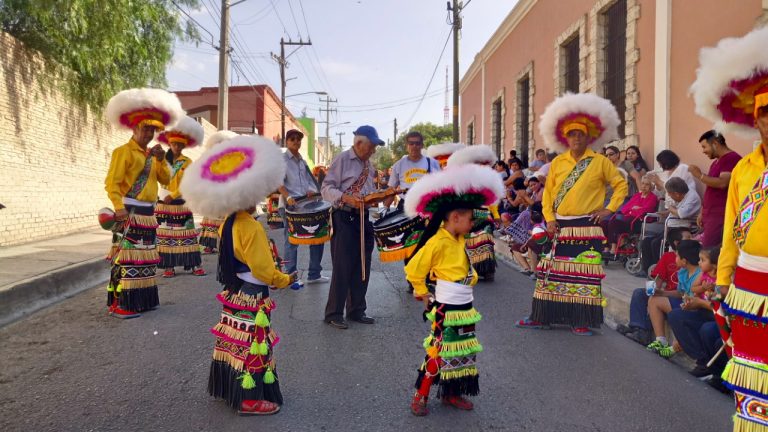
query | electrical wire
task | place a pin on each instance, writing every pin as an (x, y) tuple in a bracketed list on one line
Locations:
[(437, 65)]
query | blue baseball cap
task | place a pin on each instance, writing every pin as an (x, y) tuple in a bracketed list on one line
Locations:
[(370, 133)]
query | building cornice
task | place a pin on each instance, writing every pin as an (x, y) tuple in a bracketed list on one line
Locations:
[(516, 15)]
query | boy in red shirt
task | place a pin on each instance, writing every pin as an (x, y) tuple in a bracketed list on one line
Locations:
[(665, 276)]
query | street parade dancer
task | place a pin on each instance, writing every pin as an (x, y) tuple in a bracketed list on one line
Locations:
[(132, 186), (209, 227), (731, 89), (441, 152), (480, 244), (448, 199), (568, 280), (228, 180), (177, 242)]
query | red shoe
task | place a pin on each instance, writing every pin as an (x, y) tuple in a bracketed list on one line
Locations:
[(458, 402), (169, 273), (257, 407), (581, 331), (419, 405), (531, 324), (208, 250), (199, 272), (116, 312)]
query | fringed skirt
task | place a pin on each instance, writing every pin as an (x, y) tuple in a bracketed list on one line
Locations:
[(132, 283), (747, 371), (242, 367), (480, 244), (176, 236), (568, 280), (209, 233), (452, 349)]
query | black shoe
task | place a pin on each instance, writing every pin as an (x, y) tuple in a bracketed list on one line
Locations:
[(641, 336), (623, 329), (700, 371), (339, 324), (717, 383), (364, 319)]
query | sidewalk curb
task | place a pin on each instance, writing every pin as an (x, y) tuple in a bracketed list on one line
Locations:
[(30, 295)]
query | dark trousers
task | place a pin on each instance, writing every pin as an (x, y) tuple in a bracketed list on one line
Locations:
[(698, 335), (638, 310), (650, 247), (347, 286)]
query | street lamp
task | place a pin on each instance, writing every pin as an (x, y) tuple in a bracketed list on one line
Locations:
[(282, 113)]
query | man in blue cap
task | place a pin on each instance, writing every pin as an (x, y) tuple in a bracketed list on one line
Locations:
[(350, 178)]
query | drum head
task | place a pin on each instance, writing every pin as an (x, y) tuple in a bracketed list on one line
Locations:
[(394, 218), (309, 205)]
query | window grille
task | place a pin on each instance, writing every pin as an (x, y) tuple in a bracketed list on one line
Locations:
[(615, 65), (523, 118), (496, 126), (571, 60)]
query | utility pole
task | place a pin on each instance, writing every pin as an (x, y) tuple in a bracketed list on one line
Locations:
[(223, 118), (340, 134), (282, 61), (395, 138), (456, 23), (328, 110)]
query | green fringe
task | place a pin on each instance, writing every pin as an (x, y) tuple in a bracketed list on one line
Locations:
[(461, 318)]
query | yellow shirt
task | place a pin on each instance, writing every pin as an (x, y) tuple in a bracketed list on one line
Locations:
[(124, 168), (442, 257), (588, 194), (743, 178), (173, 185), (252, 248)]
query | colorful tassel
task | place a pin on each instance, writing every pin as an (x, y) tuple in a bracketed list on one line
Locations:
[(247, 381), (261, 319), (269, 376), (259, 348), (433, 351), (431, 314)]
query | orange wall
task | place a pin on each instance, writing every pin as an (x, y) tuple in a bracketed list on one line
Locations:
[(471, 105), (645, 40), (696, 25)]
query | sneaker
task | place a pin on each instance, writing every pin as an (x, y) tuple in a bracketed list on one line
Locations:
[(700, 371), (321, 279), (666, 351), (624, 329), (655, 346), (641, 336)]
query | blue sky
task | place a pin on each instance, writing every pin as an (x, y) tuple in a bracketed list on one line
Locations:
[(375, 56)]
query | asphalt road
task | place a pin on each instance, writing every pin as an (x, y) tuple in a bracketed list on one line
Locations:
[(70, 367)]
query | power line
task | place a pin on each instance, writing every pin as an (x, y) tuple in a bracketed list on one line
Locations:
[(408, 123), (406, 100), (278, 18), (264, 9), (290, 6), (200, 26)]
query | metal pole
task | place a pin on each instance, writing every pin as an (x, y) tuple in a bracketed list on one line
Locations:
[(223, 118), (456, 28), (282, 92)]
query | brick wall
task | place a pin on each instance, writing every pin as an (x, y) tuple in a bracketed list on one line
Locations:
[(53, 157)]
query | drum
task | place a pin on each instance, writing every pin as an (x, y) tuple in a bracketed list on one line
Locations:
[(309, 221), (273, 216), (397, 235)]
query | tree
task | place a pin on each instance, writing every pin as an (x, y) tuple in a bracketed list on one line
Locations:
[(95, 48), (383, 158), (433, 134)]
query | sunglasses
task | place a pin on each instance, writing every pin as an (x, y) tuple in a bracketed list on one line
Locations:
[(418, 143)]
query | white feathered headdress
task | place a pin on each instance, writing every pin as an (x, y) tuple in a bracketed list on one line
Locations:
[(144, 106), (481, 154), (441, 152), (187, 131), (218, 137), (465, 186), (588, 112), (234, 175), (732, 82)]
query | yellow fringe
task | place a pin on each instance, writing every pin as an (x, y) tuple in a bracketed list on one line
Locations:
[(209, 233), (460, 373), (741, 425), (591, 301), (396, 255), (178, 249), (469, 346), (176, 233), (129, 284), (247, 300), (308, 241), (482, 238), (750, 377), (132, 255), (233, 333), (226, 357), (467, 317), (591, 231), (746, 301), (571, 267), (144, 220), (171, 208), (476, 258)]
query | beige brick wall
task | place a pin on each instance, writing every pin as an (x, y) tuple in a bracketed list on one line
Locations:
[(53, 157)]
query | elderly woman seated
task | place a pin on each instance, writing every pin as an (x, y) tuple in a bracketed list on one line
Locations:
[(630, 217)]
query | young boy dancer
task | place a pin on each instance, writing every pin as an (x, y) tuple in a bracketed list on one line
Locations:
[(448, 199)]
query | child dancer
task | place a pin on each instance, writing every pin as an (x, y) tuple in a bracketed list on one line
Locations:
[(448, 199)]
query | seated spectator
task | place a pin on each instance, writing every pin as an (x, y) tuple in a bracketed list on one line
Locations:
[(630, 216), (542, 172), (670, 166), (638, 166), (501, 167), (519, 229), (694, 325), (535, 189), (527, 253), (517, 197), (539, 161), (683, 205), (664, 276), (664, 302), (515, 171)]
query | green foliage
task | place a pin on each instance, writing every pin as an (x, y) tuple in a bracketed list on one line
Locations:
[(383, 158), (95, 48), (433, 134)]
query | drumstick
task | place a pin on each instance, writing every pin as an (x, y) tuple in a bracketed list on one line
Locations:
[(720, 351), (362, 240)]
